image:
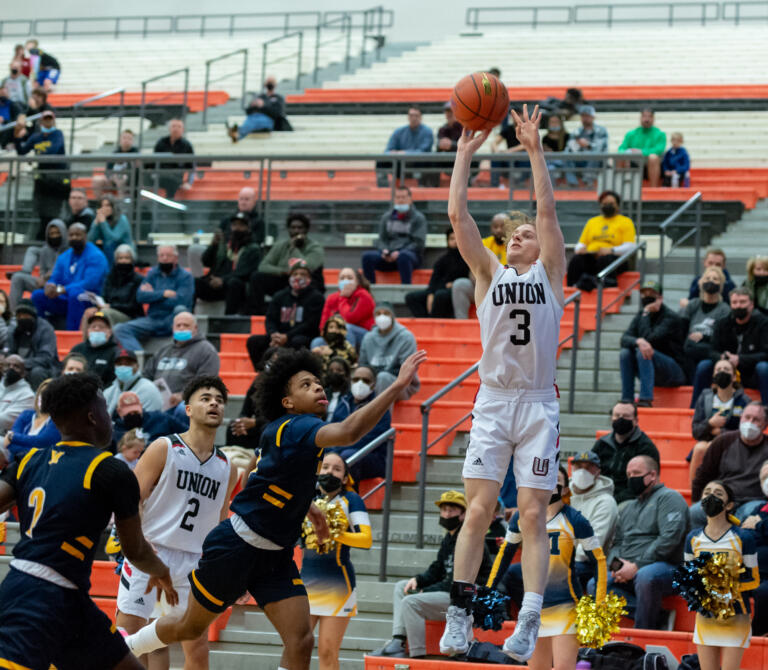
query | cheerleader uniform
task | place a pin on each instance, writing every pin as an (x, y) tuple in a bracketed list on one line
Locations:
[(566, 530), (330, 578), (739, 545)]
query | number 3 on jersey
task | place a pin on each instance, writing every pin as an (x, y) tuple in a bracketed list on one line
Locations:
[(522, 319), (37, 500)]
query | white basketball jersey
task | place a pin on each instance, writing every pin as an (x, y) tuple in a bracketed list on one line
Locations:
[(186, 502), (519, 328)]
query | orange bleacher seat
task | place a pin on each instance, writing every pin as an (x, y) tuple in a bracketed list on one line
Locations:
[(194, 100), (680, 396), (671, 446), (104, 584), (663, 419), (66, 339)]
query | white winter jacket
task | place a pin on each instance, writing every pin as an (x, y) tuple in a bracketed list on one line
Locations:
[(599, 507)]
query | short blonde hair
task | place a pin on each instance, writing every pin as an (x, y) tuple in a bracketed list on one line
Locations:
[(515, 219), (753, 262), (674, 135), (720, 278), (133, 435)]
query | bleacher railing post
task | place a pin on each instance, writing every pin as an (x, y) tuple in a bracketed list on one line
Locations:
[(8, 243), (298, 64), (141, 114), (186, 91), (422, 477), (205, 91), (698, 236), (598, 329), (385, 512), (575, 350)]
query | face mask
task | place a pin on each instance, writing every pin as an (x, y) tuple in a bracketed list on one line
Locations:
[(722, 379), (647, 300), (761, 281), (711, 287), (636, 485), (14, 72), (740, 313), (77, 246), (383, 321), (334, 339), (124, 373), (240, 237), (269, 87), (712, 505), (298, 283), (343, 283), (555, 129), (608, 210), (11, 377), (133, 420), (555, 497), (97, 338), (360, 390), (336, 380), (328, 482), (402, 209), (622, 426), (764, 486), (45, 130), (54, 242), (25, 326), (582, 479), (749, 431), (182, 335), (451, 523), (165, 268), (298, 241), (124, 268)]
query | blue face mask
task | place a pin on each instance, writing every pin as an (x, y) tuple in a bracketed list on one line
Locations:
[(124, 373), (45, 130), (402, 208), (182, 335), (97, 338), (344, 283)]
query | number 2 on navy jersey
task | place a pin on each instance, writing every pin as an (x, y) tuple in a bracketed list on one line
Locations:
[(523, 334), (37, 500)]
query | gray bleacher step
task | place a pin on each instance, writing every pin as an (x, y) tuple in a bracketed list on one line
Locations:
[(589, 401), (408, 557), (583, 425), (237, 656), (403, 526), (4, 566), (12, 536), (364, 625), (608, 380), (349, 643), (585, 361)]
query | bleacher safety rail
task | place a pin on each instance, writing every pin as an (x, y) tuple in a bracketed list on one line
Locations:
[(151, 80), (346, 34), (298, 54), (695, 231), (426, 407), (734, 11), (208, 81), (95, 98)]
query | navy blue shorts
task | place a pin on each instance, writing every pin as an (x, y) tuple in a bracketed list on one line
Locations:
[(43, 624), (230, 566)]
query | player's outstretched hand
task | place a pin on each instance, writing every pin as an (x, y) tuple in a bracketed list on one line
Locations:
[(527, 128), (410, 367), (471, 140), (319, 523), (164, 583)]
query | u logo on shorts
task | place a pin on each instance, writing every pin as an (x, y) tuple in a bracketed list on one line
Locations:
[(540, 466)]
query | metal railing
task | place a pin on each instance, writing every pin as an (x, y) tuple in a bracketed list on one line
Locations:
[(476, 17), (695, 230), (387, 436), (668, 12), (737, 15), (298, 54), (573, 338), (209, 81), (82, 103), (346, 34), (143, 104), (603, 309)]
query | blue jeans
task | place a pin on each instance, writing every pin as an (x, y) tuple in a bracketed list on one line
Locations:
[(405, 264), (702, 379), (661, 370), (62, 305), (132, 333), (253, 123)]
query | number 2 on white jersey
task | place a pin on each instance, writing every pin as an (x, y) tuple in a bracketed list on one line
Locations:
[(36, 500)]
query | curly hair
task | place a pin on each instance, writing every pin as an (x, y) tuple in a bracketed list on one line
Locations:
[(203, 382), (272, 384), (515, 219), (70, 395)]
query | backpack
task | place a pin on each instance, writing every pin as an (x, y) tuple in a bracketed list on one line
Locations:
[(689, 662), (622, 655), (486, 652)]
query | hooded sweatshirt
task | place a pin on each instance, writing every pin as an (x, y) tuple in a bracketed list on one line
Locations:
[(45, 256), (80, 272), (614, 457), (38, 349), (386, 353), (149, 394), (179, 362), (598, 506)]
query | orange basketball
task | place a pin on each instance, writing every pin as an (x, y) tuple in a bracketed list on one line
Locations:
[(480, 101)]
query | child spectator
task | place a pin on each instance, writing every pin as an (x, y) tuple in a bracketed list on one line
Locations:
[(131, 446), (676, 164), (757, 281)]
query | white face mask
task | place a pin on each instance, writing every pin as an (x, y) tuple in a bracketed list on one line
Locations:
[(764, 486), (383, 321), (360, 390), (749, 431), (402, 208), (582, 478)]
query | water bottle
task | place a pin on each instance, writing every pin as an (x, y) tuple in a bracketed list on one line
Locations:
[(675, 179), (583, 665)]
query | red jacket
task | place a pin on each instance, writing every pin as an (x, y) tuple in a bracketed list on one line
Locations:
[(357, 309)]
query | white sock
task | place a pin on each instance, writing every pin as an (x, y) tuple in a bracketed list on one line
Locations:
[(532, 602), (145, 640)]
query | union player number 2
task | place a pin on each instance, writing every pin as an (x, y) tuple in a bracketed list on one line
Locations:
[(522, 319)]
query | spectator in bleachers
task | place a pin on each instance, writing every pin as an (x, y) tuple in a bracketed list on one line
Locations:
[(37, 104), (79, 211), (45, 67), (427, 595), (128, 377), (742, 338), (435, 301), (757, 282), (16, 394), (354, 303), (120, 176), (402, 236), (649, 543), (231, 263), (571, 103), (333, 342), (718, 410), (130, 447), (712, 258), (449, 133), (5, 318), (43, 257), (651, 348), (33, 428), (265, 112), (34, 340), (110, 228), (172, 176), (21, 57), (676, 164), (649, 141), (555, 140), (245, 431), (336, 383), (589, 138), (759, 523), (118, 296), (247, 204), (603, 239), (293, 316), (131, 414), (275, 267), (9, 110), (616, 449), (168, 289), (412, 138), (385, 348), (499, 167), (74, 364), (16, 85), (99, 347), (78, 270)]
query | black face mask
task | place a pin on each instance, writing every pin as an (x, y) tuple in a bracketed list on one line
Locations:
[(3, 99), (647, 300), (608, 210), (712, 505), (556, 496), (740, 313), (77, 246), (25, 326), (269, 87), (336, 380), (298, 241), (711, 287), (124, 269), (451, 523), (54, 242), (722, 379), (636, 485), (334, 339), (14, 71), (133, 420), (165, 268), (11, 377), (622, 426), (240, 237), (329, 482), (761, 281)]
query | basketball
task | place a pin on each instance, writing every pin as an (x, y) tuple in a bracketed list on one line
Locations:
[(480, 101)]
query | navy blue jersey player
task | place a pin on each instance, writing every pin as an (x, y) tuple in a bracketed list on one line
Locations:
[(66, 495), (253, 549)]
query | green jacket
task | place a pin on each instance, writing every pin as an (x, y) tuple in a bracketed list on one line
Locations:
[(220, 259), (759, 295), (276, 262), (648, 140)]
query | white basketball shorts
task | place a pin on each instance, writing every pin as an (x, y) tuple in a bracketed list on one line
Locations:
[(520, 422)]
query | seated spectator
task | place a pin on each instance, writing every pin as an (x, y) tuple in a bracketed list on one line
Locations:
[(571, 103), (16, 85), (676, 164), (168, 289), (99, 348), (555, 140), (360, 394), (603, 240), (757, 282), (649, 141), (131, 414), (43, 257), (649, 543), (651, 348), (110, 229), (449, 133), (34, 340), (616, 449), (74, 364), (333, 342), (435, 301), (757, 522), (265, 112), (500, 168), (16, 394), (5, 318), (413, 138), (426, 596), (189, 355), (45, 67), (402, 236), (735, 458), (275, 267), (78, 270), (9, 109), (712, 258), (33, 428), (354, 303), (385, 348), (79, 211), (128, 377), (589, 138), (293, 316), (336, 383), (231, 264), (172, 176), (248, 204), (741, 338), (592, 495), (130, 447), (37, 104), (718, 410), (120, 177)]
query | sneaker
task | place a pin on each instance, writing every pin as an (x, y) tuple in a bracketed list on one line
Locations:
[(394, 648), (522, 642), (458, 632)]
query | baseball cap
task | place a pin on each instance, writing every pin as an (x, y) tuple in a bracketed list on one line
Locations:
[(47, 112), (299, 265), (125, 354), (384, 304), (240, 216), (587, 109), (452, 498), (128, 402), (587, 457), (651, 285), (99, 316)]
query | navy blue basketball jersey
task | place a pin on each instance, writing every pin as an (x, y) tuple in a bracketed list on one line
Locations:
[(281, 487)]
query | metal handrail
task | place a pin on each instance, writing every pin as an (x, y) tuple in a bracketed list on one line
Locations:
[(11, 124), (209, 81), (574, 339), (472, 16), (95, 98), (346, 26), (671, 17), (695, 230), (142, 106), (298, 55), (640, 248), (737, 16)]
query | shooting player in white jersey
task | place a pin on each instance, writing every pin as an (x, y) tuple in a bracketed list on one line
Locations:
[(185, 484), (516, 410)]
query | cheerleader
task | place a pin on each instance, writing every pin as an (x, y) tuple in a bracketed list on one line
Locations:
[(721, 643), (330, 578), (557, 646)]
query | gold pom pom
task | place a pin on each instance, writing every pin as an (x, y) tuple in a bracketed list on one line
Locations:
[(337, 524), (596, 622), (721, 581)]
